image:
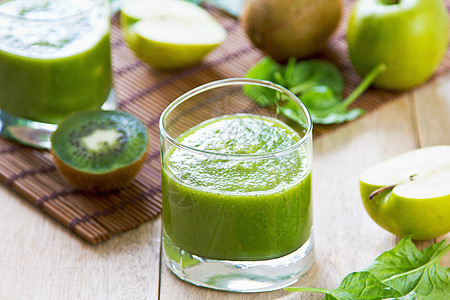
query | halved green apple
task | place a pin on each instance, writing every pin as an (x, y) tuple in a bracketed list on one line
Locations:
[(169, 34), (410, 193)]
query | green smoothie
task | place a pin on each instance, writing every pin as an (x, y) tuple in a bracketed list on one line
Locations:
[(234, 209), (54, 58)]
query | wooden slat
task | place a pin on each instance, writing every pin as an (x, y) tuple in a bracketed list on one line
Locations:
[(431, 105), (341, 223), (42, 260), (145, 92), (47, 262)]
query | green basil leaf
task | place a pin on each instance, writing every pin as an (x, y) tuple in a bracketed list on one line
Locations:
[(412, 271), (310, 73)]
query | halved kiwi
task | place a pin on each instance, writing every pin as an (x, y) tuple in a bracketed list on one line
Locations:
[(97, 150)]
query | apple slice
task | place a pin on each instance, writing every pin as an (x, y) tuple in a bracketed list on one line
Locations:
[(170, 34), (410, 193)]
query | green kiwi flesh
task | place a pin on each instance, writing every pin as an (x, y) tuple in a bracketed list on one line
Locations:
[(99, 150)]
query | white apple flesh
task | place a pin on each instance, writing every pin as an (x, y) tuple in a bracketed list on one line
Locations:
[(170, 34), (410, 193)]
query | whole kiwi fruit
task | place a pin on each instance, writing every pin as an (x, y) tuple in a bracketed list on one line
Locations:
[(98, 150), (285, 28)]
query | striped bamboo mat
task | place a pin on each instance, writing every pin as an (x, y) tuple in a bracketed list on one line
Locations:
[(145, 92)]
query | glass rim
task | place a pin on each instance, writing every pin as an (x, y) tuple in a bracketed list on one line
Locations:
[(50, 20), (230, 82)]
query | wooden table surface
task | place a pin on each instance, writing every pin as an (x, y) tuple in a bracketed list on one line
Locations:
[(40, 259)]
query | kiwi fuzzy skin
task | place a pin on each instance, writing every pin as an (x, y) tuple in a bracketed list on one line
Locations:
[(115, 179), (285, 28)]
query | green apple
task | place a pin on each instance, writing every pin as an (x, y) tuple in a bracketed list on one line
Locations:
[(169, 34), (410, 193), (409, 36)]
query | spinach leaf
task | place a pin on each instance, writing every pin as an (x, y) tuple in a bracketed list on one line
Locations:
[(317, 83), (265, 69), (412, 271), (289, 71), (357, 285), (401, 273), (290, 110), (336, 117), (319, 97), (338, 113), (364, 285), (315, 72)]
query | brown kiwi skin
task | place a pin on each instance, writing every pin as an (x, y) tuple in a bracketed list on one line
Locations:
[(285, 28), (103, 182)]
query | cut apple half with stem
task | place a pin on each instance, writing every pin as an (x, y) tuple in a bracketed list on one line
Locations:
[(410, 194), (170, 34)]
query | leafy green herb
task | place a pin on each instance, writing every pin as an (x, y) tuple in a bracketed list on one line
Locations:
[(401, 273), (290, 110), (357, 285), (266, 70), (414, 272), (311, 73), (317, 83)]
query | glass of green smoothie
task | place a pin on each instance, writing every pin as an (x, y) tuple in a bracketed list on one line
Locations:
[(236, 186), (54, 60)]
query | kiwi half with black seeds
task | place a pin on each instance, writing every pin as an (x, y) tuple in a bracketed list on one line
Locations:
[(98, 150)]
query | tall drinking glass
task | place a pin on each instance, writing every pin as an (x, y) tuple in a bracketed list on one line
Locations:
[(236, 186), (54, 60)]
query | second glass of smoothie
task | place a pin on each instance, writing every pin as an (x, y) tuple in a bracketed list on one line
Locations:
[(236, 186), (54, 60)]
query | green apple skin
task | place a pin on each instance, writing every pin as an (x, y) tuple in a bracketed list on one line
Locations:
[(126, 23), (409, 37), (422, 218)]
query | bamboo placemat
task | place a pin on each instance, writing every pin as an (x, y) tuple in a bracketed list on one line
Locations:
[(145, 92)]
